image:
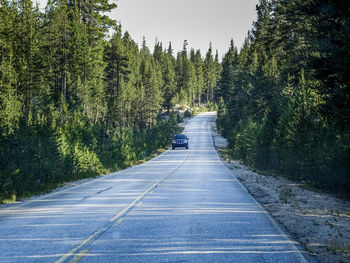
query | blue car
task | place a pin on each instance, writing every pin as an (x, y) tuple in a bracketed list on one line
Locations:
[(179, 140)]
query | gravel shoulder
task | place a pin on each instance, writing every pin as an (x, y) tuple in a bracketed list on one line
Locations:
[(318, 221)]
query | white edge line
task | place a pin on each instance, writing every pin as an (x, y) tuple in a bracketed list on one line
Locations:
[(269, 217)]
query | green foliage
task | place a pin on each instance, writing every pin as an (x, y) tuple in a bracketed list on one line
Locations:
[(36, 158), (85, 162), (75, 102), (212, 106), (244, 142), (285, 97), (30, 161), (187, 114), (196, 78)]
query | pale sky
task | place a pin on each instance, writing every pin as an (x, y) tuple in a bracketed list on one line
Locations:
[(198, 21)]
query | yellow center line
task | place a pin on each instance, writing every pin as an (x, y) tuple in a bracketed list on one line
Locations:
[(86, 241), (78, 257), (121, 213), (119, 222)]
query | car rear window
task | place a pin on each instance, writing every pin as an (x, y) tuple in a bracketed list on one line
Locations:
[(180, 136)]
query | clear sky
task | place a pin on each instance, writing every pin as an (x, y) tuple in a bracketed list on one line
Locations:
[(198, 21)]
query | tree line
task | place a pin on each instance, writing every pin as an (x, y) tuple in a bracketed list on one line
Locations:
[(76, 102), (285, 96)]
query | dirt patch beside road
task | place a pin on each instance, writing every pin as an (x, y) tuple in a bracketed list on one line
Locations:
[(318, 221)]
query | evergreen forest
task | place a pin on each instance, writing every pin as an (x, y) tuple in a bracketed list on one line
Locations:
[(80, 98), (284, 98), (77, 101)]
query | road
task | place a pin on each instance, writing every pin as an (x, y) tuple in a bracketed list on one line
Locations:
[(182, 206)]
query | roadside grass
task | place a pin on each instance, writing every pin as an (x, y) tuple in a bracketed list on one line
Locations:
[(336, 247), (8, 200), (104, 170), (340, 250), (285, 193), (224, 153), (147, 158)]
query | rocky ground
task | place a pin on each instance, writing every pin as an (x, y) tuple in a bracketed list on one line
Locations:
[(318, 221)]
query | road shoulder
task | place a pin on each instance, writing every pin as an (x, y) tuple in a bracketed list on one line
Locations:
[(318, 221)]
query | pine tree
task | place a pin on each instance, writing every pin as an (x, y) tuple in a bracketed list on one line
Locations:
[(158, 52), (198, 65), (169, 80), (151, 82), (218, 70), (10, 105), (116, 71), (209, 74), (131, 93), (229, 66), (27, 52), (183, 74), (192, 83), (53, 51)]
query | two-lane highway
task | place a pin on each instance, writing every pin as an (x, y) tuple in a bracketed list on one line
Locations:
[(182, 206)]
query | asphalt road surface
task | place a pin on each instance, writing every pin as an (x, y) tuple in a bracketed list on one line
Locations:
[(182, 206)]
